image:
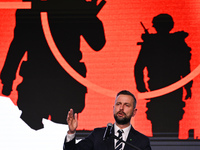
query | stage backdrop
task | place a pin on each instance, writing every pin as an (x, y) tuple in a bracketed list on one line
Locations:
[(112, 68)]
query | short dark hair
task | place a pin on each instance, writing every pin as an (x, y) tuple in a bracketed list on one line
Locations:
[(125, 92)]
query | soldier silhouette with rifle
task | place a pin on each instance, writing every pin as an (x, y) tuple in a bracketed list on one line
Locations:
[(166, 56)]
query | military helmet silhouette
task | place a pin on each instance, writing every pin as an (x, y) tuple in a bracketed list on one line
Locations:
[(163, 23)]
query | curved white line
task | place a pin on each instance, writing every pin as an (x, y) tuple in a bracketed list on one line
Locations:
[(85, 82), (171, 87)]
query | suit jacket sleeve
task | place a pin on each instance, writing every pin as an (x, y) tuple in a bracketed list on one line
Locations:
[(86, 144), (93, 142)]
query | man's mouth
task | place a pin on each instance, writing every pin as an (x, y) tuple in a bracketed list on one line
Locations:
[(121, 114)]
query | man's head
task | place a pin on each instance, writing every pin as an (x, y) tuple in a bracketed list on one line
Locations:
[(163, 23), (124, 108)]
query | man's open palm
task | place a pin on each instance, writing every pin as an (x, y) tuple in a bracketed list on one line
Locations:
[(72, 121)]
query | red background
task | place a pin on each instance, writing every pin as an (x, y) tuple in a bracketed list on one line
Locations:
[(112, 67)]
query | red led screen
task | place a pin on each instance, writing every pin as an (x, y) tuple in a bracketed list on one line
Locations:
[(112, 68)]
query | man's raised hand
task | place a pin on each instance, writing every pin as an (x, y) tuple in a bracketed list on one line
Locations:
[(72, 121)]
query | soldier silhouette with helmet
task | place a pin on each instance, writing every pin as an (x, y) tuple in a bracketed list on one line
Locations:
[(47, 89), (166, 56)]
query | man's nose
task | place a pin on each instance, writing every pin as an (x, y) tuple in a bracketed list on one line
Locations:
[(121, 107)]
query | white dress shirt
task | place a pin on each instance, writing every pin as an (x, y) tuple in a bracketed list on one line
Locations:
[(124, 134)]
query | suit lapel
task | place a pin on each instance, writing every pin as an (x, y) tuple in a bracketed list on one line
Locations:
[(110, 144), (130, 139)]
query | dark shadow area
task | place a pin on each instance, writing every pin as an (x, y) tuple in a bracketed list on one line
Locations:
[(46, 88), (166, 56)]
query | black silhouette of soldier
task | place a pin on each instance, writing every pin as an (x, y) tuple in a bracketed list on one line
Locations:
[(167, 59), (47, 89)]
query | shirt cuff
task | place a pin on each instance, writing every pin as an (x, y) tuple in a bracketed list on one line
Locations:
[(70, 137)]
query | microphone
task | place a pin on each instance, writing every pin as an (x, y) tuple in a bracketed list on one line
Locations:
[(108, 131)]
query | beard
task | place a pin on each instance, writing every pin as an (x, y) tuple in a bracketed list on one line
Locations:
[(122, 121)]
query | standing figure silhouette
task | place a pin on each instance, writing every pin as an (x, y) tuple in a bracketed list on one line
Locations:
[(46, 88), (167, 59)]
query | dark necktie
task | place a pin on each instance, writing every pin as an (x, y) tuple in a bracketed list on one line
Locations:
[(119, 143)]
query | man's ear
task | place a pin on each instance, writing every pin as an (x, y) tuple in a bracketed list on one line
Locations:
[(134, 112)]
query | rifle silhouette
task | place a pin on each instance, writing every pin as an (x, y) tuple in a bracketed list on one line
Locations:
[(146, 32)]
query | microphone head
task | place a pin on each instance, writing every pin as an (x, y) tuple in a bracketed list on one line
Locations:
[(109, 124), (108, 131)]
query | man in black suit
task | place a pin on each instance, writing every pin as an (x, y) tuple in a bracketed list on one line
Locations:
[(124, 109)]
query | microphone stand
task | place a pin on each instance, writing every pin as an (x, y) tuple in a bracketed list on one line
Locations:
[(132, 146)]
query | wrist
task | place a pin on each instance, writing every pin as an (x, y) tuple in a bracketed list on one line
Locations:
[(71, 132)]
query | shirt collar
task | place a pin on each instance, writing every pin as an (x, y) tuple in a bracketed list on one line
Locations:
[(126, 130)]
